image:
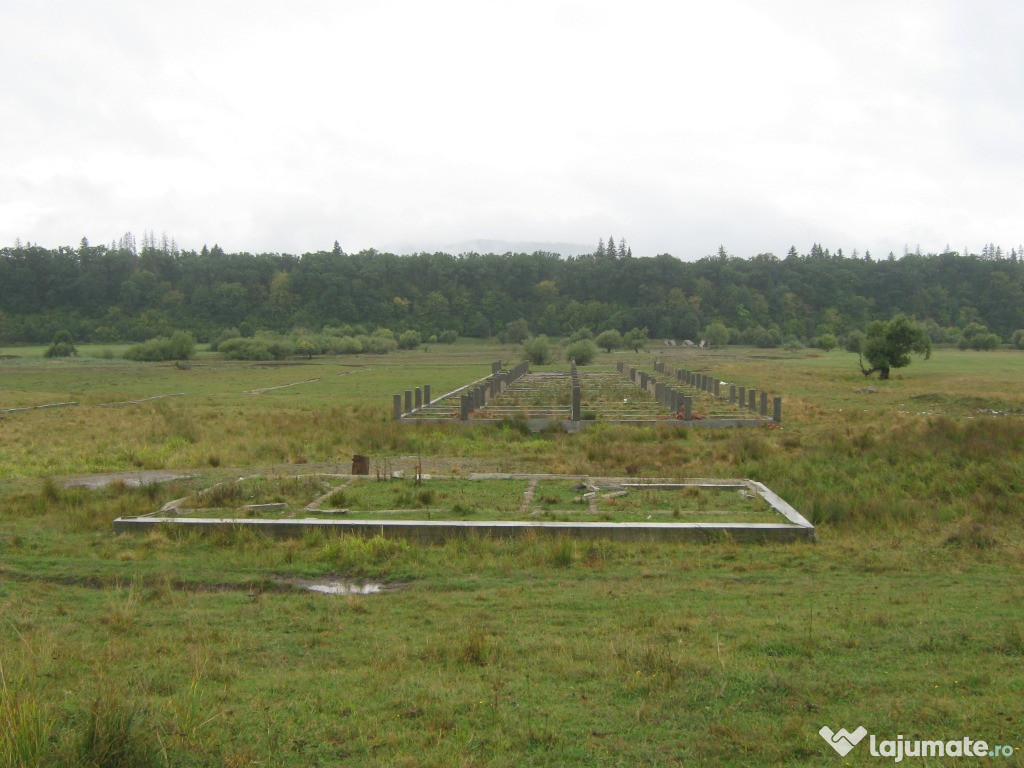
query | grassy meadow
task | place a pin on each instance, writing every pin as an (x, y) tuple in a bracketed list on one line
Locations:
[(172, 649)]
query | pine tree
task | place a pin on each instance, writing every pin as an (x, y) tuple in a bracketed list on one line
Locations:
[(622, 247), (600, 247), (611, 247)]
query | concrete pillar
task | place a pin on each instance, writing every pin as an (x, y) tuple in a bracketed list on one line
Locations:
[(742, 397), (764, 403), (426, 394), (495, 367), (687, 408), (576, 403), (397, 407), (659, 393), (464, 407), (718, 388), (777, 410), (732, 393), (643, 380), (408, 400), (419, 397), (752, 399)]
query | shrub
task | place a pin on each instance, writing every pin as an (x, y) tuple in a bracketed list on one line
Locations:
[(716, 334), (1018, 339), (349, 345), (447, 337), (244, 349), (583, 352), (378, 344), (976, 336), (409, 340), (581, 334), (180, 346), (765, 338), (227, 333), (279, 349), (516, 332), (537, 350), (63, 346), (826, 342)]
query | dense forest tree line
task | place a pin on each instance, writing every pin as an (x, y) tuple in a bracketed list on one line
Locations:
[(117, 292)]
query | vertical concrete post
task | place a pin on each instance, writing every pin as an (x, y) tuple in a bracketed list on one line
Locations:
[(643, 380), (687, 408), (419, 398), (764, 403), (576, 403), (742, 397), (659, 392), (752, 399), (495, 367), (777, 410), (732, 393), (408, 400), (426, 394), (397, 408), (718, 388), (465, 406)]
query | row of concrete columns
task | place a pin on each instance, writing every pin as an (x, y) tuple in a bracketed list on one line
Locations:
[(478, 396), (577, 392), (414, 398), (668, 396), (741, 396)]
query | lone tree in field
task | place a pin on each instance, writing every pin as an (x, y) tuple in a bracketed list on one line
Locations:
[(635, 339), (609, 340), (889, 345)]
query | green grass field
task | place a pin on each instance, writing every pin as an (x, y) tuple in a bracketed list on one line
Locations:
[(906, 616)]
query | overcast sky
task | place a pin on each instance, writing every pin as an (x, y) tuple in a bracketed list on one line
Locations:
[(405, 125)]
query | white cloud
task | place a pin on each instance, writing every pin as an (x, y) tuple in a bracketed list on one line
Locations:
[(401, 124)]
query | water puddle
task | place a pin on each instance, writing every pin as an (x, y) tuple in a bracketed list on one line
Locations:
[(333, 587)]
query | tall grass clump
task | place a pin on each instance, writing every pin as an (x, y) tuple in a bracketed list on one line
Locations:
[(114, 735), (24, 729)]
